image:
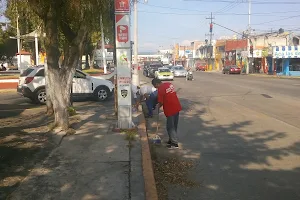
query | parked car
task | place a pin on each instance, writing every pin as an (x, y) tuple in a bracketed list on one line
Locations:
[(201, 67), (179, 71), (150, 70), (233, 69), (32, 85), (164, 73)]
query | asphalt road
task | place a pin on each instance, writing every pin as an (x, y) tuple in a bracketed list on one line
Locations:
[(243, 133)]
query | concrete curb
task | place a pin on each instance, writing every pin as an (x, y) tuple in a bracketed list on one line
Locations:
[(148, 173), (274, 76)]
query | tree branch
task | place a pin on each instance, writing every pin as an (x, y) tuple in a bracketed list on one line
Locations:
[(39, 8), (67, 31)]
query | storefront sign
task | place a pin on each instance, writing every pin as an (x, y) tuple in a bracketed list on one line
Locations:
[(256, 54), (286, 52)]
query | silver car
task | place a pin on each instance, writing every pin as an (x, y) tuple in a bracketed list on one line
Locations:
[(178, 71)]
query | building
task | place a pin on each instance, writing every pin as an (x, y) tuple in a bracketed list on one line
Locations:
[(262, 45), (235, 53), (286, 60), (220, 54)]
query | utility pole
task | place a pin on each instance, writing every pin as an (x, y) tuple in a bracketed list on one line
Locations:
[(103, 46), (135, 75), (18, 43), (249, 40), (210, 39)]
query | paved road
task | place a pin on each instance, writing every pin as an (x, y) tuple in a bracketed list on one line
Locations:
[(244, 134)]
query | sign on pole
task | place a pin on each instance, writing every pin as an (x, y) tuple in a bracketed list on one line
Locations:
[(123, 49)]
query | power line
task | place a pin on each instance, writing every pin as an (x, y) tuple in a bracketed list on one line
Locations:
[(221, 14), (218, 12), (228, 7), (295, 16), (254, 2)]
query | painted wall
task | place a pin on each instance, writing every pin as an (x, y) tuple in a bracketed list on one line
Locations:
[(235, 44)]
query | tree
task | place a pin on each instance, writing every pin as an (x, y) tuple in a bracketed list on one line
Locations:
[(67, 22)]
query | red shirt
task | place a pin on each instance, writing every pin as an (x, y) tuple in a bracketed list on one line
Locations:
[(168, 98)]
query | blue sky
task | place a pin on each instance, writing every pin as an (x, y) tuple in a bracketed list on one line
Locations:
[(163, 22)]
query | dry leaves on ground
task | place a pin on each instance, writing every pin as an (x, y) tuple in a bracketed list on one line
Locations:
[(172, 171)]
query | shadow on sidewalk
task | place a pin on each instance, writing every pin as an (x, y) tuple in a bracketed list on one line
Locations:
[(95, 163), (229, 161)]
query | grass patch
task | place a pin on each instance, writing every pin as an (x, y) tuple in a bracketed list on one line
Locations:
[(93, 71), (130, 136)]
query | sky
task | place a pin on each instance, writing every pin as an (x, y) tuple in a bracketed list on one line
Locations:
[(161, 23)]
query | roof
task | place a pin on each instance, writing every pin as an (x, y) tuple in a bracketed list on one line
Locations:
[(23, 53)]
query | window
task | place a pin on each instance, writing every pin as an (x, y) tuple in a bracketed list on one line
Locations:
[(79, 75), (294, 64), (164, 70), (27, 72), (41, 73)]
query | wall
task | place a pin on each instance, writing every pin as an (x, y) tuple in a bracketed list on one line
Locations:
[(259, 42), (235, 44)]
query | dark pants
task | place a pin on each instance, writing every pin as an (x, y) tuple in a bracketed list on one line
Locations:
[(172, 124), (151, 103)]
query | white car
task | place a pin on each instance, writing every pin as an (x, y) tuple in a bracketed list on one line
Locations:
[(32, 85)]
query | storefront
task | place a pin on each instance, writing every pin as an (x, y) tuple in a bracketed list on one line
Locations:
[(287, 60)]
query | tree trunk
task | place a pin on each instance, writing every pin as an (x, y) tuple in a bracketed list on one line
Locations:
[(49, 104), (93, 58), (59, 92)]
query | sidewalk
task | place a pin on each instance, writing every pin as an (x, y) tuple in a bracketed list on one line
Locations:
[(93, 164)]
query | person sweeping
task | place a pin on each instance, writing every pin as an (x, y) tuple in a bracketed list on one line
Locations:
[(167, 98)]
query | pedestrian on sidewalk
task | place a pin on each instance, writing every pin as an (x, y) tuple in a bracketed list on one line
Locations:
[(167, 98)]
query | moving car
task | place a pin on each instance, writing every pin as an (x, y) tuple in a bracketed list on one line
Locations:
[(32, 85), (164, 73), (150, 70), (179, 71), (233, 69)]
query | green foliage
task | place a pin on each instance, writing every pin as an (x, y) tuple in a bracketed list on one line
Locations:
[(72, 111), (71, 12)]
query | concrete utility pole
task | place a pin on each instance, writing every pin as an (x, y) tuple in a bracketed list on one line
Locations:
[(36, 48), (18, 43), (210, 38), (135, 75), (103, 47), (249, 33)]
